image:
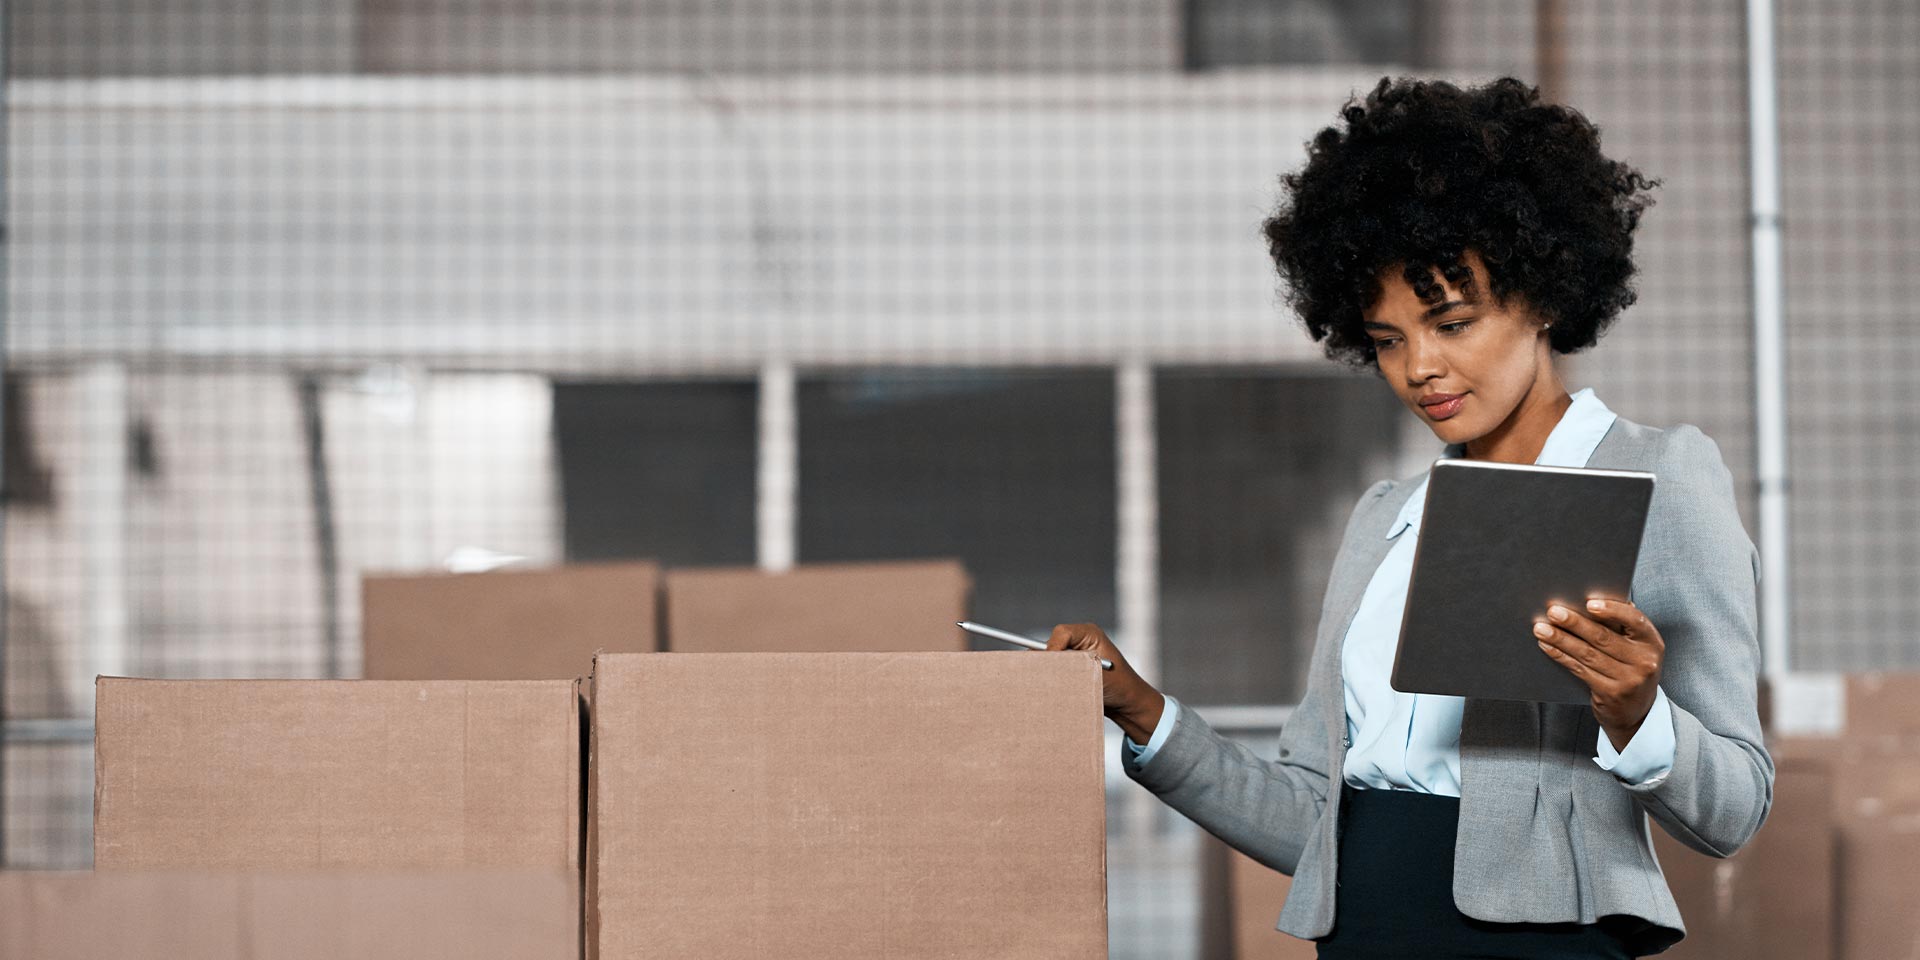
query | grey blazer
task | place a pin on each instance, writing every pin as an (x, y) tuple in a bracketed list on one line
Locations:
[(1545, 835)]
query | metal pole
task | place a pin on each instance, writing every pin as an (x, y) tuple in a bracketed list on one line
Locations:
[(779, 469), (100, 488), (1138, 548), (1769, 379), (1137, 573)]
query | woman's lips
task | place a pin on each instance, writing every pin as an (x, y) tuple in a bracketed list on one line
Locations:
[(1444, 409)]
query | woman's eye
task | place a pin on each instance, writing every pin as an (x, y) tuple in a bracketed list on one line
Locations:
[(1382, 344), (1455, 326)]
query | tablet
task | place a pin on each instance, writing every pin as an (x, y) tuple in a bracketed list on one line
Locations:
[(1497, 542)]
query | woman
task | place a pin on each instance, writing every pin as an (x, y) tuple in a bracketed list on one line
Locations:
[(1453, 241)]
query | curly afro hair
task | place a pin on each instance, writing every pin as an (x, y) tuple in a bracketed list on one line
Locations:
[(1426, 170)]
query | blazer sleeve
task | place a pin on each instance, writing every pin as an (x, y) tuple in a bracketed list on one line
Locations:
[(1264, 808), (1697, 583)]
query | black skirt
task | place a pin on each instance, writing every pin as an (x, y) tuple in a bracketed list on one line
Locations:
[(1395, 894)]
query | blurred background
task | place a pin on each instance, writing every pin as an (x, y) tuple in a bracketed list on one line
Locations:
[(297, 290)]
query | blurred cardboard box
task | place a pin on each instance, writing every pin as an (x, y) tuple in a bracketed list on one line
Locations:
[(1878, 709), (1240, 903), (903, 606), (1874, 801), (1879, 889), (305, 915), (1828, 875), (290, 773), (1773, 898), (509, 624), (846, 805)]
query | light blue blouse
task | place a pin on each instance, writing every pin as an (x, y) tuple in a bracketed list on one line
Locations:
[(1411, 741)]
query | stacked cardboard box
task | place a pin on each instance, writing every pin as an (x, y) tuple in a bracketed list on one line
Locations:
[(846, 805), (353, 773), (510, 624), (1829, 874), (547, 623), (791, 803), (289, 915), (866, 607), (742, 805)]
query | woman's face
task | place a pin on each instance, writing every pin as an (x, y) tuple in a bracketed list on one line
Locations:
[(1495, 359)]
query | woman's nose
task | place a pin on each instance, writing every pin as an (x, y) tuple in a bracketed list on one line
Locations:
[(1424, 361)]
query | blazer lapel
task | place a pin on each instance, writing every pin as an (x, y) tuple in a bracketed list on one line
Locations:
[(1366, 546)]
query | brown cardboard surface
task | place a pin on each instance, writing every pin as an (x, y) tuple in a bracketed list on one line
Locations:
[(1879, 889), (1871, 777), (311, 915), (847, 805), (1240, 902), (1216, 899), (1775, 898), (1257, 894), (509, 624), (1878, 710), (1885, 707), (818, 608), (1874, 798), (290, 773)]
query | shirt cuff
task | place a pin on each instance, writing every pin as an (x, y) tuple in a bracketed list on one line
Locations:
[(1648, 757), (1160, 731)]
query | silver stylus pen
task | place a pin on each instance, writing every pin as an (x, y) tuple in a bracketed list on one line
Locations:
[(1010, 637)]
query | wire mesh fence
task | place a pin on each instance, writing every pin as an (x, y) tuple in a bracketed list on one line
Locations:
[(298, 290)]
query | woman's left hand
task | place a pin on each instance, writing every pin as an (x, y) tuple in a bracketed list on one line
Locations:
[(1612, 648)]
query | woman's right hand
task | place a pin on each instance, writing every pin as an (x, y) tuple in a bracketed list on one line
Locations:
[(1128, 699)]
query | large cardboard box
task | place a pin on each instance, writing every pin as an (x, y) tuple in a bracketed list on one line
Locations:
[(1824, 874), (1774, 898), (1879, 890), (1875, 804), (292, 773), (542, 624), (1877, 807), (847, 806), (303, 915), (1240, 903), (901, 606)]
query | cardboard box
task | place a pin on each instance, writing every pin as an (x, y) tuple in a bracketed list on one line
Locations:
[(1240, 903), (316, 915), (1881, 710), (292, 773), (508, 624), (1885, 705), (846, 806), (1776, 896), (1859, 736), (1878, 888), (819, 608), (1875, 804), (1870, 778)]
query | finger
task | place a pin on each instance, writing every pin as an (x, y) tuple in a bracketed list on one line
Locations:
[(1624, 617), (1595, 633), (1585, 674), (1061, 638), (1578, 650)]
